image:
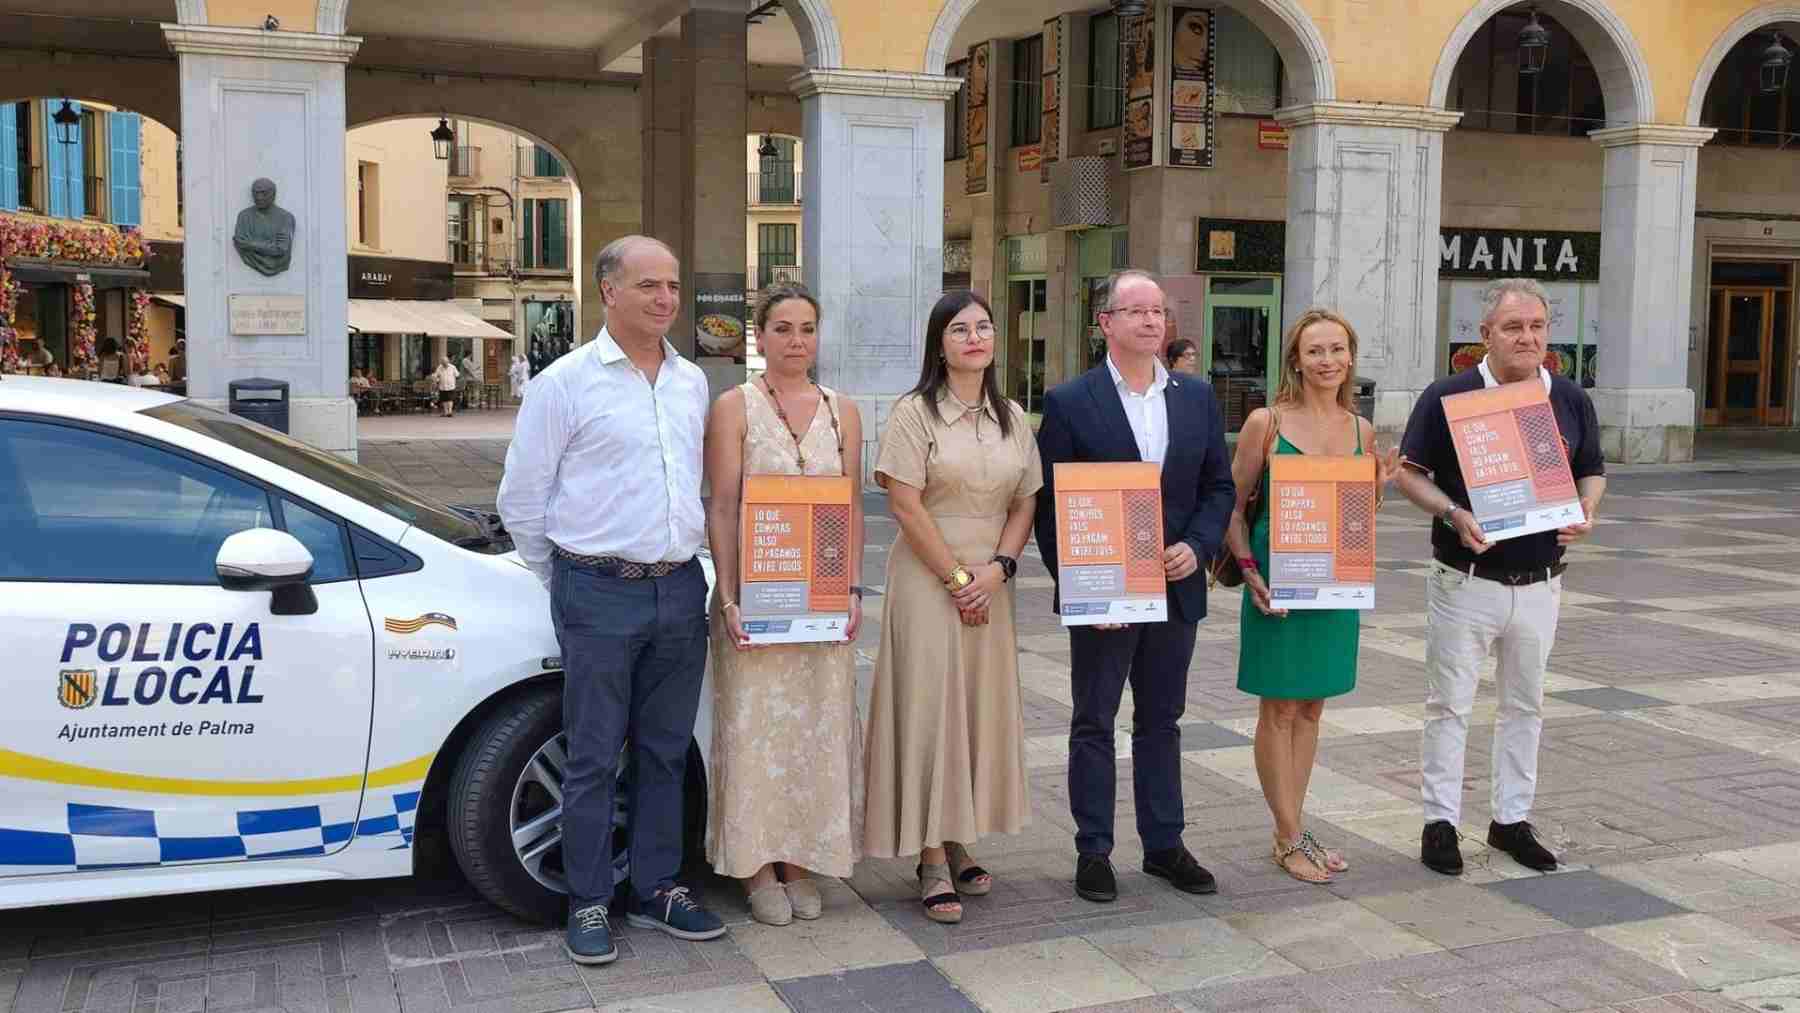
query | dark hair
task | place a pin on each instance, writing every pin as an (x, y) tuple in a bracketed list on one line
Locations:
[(1178, 348), (775, 295), (109, 347), (934, 373)]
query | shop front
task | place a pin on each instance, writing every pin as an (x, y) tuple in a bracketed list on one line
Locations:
[(1027, 331), (1750, 338), (68, 292), (1567, 264), (549, 330), (1231, 309)]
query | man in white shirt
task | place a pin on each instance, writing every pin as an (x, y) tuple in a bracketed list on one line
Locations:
[(601, 495), (1130, 408)]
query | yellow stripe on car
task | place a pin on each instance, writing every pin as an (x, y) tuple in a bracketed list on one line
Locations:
[(38, 768)]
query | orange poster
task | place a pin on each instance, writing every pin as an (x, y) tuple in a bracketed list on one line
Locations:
[(1109, 543), (1322, 532), (1513, 460), (794, 559)]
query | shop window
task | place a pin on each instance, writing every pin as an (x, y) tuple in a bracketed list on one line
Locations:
[(1248, 66), (956, 114), (96, 508), (323, 537), (365, 354), (544, 234), (415, 357), (1738, 107), (550, 330), (1028, 90), (777, 245), (1106, 83), (1563, 100)]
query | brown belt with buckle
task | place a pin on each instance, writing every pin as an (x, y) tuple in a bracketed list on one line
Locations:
[(1511, 578), (623, 568)]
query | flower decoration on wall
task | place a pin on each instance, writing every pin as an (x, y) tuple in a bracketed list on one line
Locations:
[(36, 238), (137, 329), (9, 338), (83, 329)]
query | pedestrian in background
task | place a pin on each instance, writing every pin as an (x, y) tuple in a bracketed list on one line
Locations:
[(945, 756), (785, 798), (1492, 597), (1183, 356), (1294, 660), (444, 377)]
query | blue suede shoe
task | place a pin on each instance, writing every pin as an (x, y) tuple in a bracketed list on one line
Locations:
[(676, 912), (589, 938)]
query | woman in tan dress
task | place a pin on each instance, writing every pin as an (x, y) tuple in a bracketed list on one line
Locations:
[(786, 793), (946, 754)]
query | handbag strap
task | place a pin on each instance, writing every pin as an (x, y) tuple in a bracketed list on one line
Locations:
[(1254, 508)]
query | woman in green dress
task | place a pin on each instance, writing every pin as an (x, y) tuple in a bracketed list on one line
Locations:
[(1293, 661)]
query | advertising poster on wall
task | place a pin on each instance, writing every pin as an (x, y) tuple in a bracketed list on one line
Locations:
[(1053, 98), (1138, 44), (719, 315), (975, 122), (1191, 88), (795, 559), (1322, 532), (1109, 548), (1514, 460)]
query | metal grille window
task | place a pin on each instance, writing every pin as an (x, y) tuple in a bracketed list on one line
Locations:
[(777, 245), (1028, 90), (956, 114), (1106, 86)]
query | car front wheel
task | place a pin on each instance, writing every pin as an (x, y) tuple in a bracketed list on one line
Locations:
[(505, 811)]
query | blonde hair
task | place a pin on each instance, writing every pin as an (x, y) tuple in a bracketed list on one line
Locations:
[(1287, 386)]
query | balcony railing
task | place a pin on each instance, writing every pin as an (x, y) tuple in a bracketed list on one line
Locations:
[(535, 163), (776, 188), (93, 196), (776, 272), (465, 161), (473, 257)]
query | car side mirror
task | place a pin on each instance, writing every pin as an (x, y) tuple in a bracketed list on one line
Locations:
[(263, 559)]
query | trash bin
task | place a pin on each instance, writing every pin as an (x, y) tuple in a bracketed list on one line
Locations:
[(1365, 398), (260, 399)]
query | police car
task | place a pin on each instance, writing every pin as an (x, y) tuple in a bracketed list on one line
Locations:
[(237, 660)]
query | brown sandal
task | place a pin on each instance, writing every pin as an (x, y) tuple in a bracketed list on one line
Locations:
[(937, 905), (1306, 850)]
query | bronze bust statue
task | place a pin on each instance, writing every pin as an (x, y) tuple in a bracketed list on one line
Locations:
[(264, 236)]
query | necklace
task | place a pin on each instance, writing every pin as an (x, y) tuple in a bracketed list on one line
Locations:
[(781, 413)]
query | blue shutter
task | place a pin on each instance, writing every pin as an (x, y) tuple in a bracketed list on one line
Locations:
[(56, 165), (76, 166), (525, 233), (9, 157), (122, 132)]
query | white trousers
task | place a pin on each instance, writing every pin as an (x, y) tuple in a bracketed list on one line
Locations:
[(1469, 619)]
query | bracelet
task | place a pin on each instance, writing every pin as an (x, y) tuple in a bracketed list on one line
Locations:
[(959, 578), (727, 605), (1247, 564)]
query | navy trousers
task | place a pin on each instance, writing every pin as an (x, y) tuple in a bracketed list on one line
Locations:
[(634, 654), (1153, 658)]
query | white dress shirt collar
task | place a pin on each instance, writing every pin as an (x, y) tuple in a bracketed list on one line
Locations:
[(1156, 385), (606, 348), (1488, 379)]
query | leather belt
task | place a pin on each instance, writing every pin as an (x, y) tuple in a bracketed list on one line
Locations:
[(623, 568), (1511, 578)]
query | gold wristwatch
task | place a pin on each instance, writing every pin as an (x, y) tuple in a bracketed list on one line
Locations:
[(959, 578)]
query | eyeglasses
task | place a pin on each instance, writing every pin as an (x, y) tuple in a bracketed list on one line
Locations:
[(983, 331), (1138, 314)]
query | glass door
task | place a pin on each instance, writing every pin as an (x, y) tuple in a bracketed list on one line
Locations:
[(1750, 357), (1241, 351), (1023, 363)]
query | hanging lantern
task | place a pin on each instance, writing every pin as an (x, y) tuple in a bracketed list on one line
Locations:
[(1534, 46), (1130, 8), (442, 140), (68, 123), (1776, 60)]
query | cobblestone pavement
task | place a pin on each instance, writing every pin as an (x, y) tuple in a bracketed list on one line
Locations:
[(1670, 784)]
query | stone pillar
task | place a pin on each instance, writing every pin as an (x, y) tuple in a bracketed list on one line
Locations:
[(873, 236), (1646, 408), (1364, 192), (258, 104)]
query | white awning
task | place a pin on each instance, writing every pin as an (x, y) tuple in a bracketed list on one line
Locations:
[(419, 316), (174, 299)]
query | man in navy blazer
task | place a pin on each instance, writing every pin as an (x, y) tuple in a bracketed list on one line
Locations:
[(1131, 408)]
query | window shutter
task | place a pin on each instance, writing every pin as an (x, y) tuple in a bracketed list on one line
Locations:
[(76, 167), (122, 131), (556, 233), (56, 166), (526, 234), (9, 157)]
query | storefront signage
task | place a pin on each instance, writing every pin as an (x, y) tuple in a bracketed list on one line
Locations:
[(1239, 245), (400, 278), (719, 314), (1510, 253), (268, 314), (1221, 244), (975, 121), (1052, 112), (1271, 135), (1191, 92), (1138, 44), (1030, 157)]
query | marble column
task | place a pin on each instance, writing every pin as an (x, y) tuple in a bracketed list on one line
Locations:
[(873, 233), (259, 104), (1364, 191), (1646, 408)]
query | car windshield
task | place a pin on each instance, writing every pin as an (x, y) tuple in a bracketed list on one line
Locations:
[(327, 469)]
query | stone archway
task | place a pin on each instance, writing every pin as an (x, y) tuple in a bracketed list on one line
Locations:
[(1618, 59), (1787, 15)]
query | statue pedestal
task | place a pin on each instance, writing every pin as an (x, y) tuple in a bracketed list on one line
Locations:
[(259, 105)]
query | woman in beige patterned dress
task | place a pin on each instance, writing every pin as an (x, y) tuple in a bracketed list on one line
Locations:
[(946, 748), (786, 789)]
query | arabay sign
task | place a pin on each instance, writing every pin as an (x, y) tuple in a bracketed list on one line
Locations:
[(1506, 253)]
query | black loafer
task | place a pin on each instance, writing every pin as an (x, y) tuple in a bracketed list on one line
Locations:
[(1178, 866), (1438, 848), (1520, 841), (1094, 879)]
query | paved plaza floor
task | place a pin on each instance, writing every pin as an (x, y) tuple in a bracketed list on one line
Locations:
[(1670, 785)]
